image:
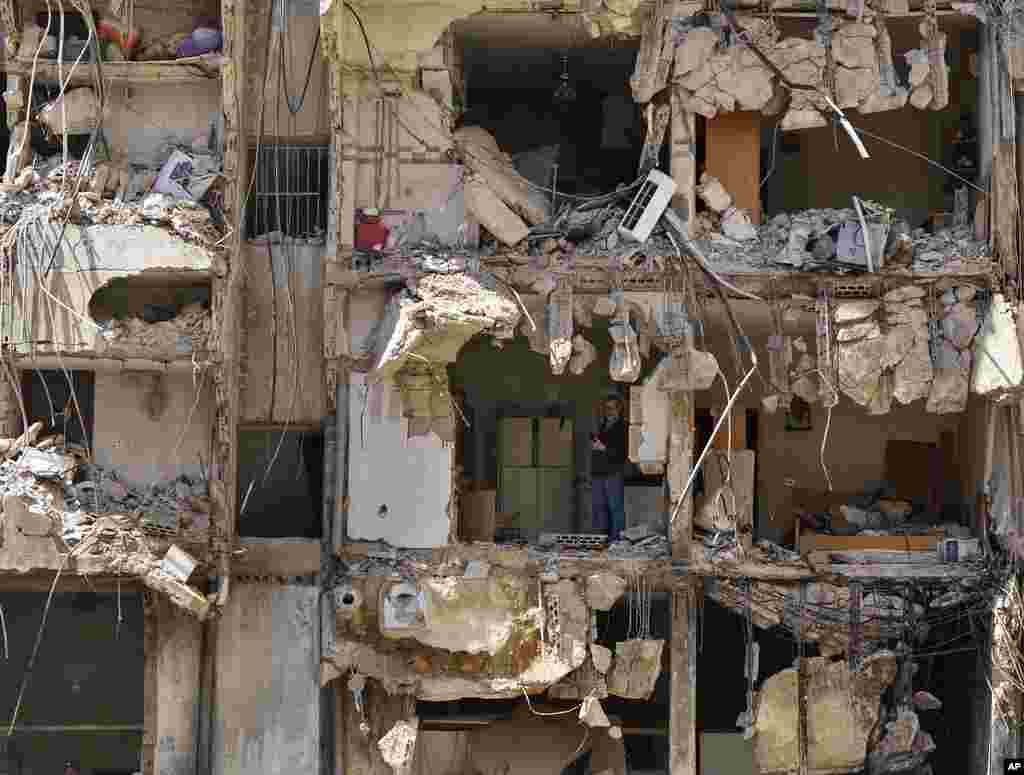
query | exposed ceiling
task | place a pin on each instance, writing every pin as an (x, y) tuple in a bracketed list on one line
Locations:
[(527, 30)]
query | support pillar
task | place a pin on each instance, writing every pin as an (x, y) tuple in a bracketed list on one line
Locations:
[(683, 653), (683, 158), (178, 666)]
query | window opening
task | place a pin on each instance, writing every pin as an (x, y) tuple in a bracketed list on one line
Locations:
[(290, 194), (50, 397), (280, 477)]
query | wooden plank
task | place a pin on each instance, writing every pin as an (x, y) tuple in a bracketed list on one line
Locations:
[(682, 735), (683, 158), (733, 155), (810, 541)]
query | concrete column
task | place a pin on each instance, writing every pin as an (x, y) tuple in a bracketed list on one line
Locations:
[(178, 657), (683, 655)]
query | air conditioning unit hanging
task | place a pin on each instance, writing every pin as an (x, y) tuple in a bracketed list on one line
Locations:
[(647, 206)]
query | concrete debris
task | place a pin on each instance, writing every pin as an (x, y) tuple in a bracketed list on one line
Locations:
[(624, 364), (997, 355), (736, 224), (431, 321), (604, 590), (398, 746), (636, 669), (495, 216), (953, 354), (713, 193), (842, 711), (601, 656), (583, 354), (592, 714), (186, 333), (495, 172)]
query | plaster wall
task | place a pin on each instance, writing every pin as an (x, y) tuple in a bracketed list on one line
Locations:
[(267, 708), (89, 258), (283, 329), (399, 487), (143, 449)]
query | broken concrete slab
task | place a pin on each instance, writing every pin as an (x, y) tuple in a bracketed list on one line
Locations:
[(713, 193), (398, 746), (592, 714), (493, 214), (997, 353), (854, 311), (604, 590), (494, 170), (842, 712), (601, 656), (636, 669)]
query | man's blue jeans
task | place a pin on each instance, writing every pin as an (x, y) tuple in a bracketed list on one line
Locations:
[(609, 504)]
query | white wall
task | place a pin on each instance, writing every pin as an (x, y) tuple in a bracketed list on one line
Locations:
[(411, 477)]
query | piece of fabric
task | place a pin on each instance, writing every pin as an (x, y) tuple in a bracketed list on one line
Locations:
[(609, 504)]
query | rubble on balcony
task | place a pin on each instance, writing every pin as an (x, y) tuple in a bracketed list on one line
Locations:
[(181, 194), (183, 334), (104, 524)]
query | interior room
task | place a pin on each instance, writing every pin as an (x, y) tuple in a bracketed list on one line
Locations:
[(558, 103), (526, 454)]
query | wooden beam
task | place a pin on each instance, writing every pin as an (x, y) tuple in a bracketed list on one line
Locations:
[(682, 735), (683, 158), (733, 155)]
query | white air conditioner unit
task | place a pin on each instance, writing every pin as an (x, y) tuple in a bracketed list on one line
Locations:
[(647, 206)]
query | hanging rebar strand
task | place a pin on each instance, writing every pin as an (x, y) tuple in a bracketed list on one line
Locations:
[(801, 684)]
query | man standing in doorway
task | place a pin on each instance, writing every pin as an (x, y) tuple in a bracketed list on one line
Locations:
[(607, 469)]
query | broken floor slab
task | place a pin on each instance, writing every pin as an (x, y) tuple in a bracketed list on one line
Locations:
[(842, 713)]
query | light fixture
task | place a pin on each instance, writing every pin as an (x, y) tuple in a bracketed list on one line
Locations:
[(565, 93)]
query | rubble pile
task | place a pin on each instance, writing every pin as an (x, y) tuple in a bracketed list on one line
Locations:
[(185, 333), (44, 474)]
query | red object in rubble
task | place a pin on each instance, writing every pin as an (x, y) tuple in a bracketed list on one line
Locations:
[(371, 234)]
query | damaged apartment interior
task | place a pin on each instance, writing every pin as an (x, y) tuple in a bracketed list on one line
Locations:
[(584, 387)]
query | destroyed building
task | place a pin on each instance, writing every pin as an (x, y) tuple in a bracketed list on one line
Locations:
[(596, 387)]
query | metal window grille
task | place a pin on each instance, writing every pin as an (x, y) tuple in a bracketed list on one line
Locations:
[(290, 193)]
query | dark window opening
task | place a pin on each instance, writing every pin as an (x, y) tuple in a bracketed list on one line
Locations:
[(290, 193), (280, 479), (64, 401), (149, 298), (84, 703)]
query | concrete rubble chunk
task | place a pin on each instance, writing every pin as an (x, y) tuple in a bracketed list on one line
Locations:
[(695, 49), (842, 712), (997, 356), (859, 369), (592, 714), (853, 311), (900, 734), (866, 330), (494, 170), (398, 746), (601, 656), (713, 193), (583, 354), (604, 590), (636, 669), (605, 307), (686, 370), (493, 214), (904, 293)]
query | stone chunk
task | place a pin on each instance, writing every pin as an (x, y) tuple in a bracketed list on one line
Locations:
[(997, 357), (851, 311), (696, 49), (495, 216), (866, 330), (904, 293), (592, 714), (398, 746), (602, 657), (713, 193), (636, 669), (604, 590)]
